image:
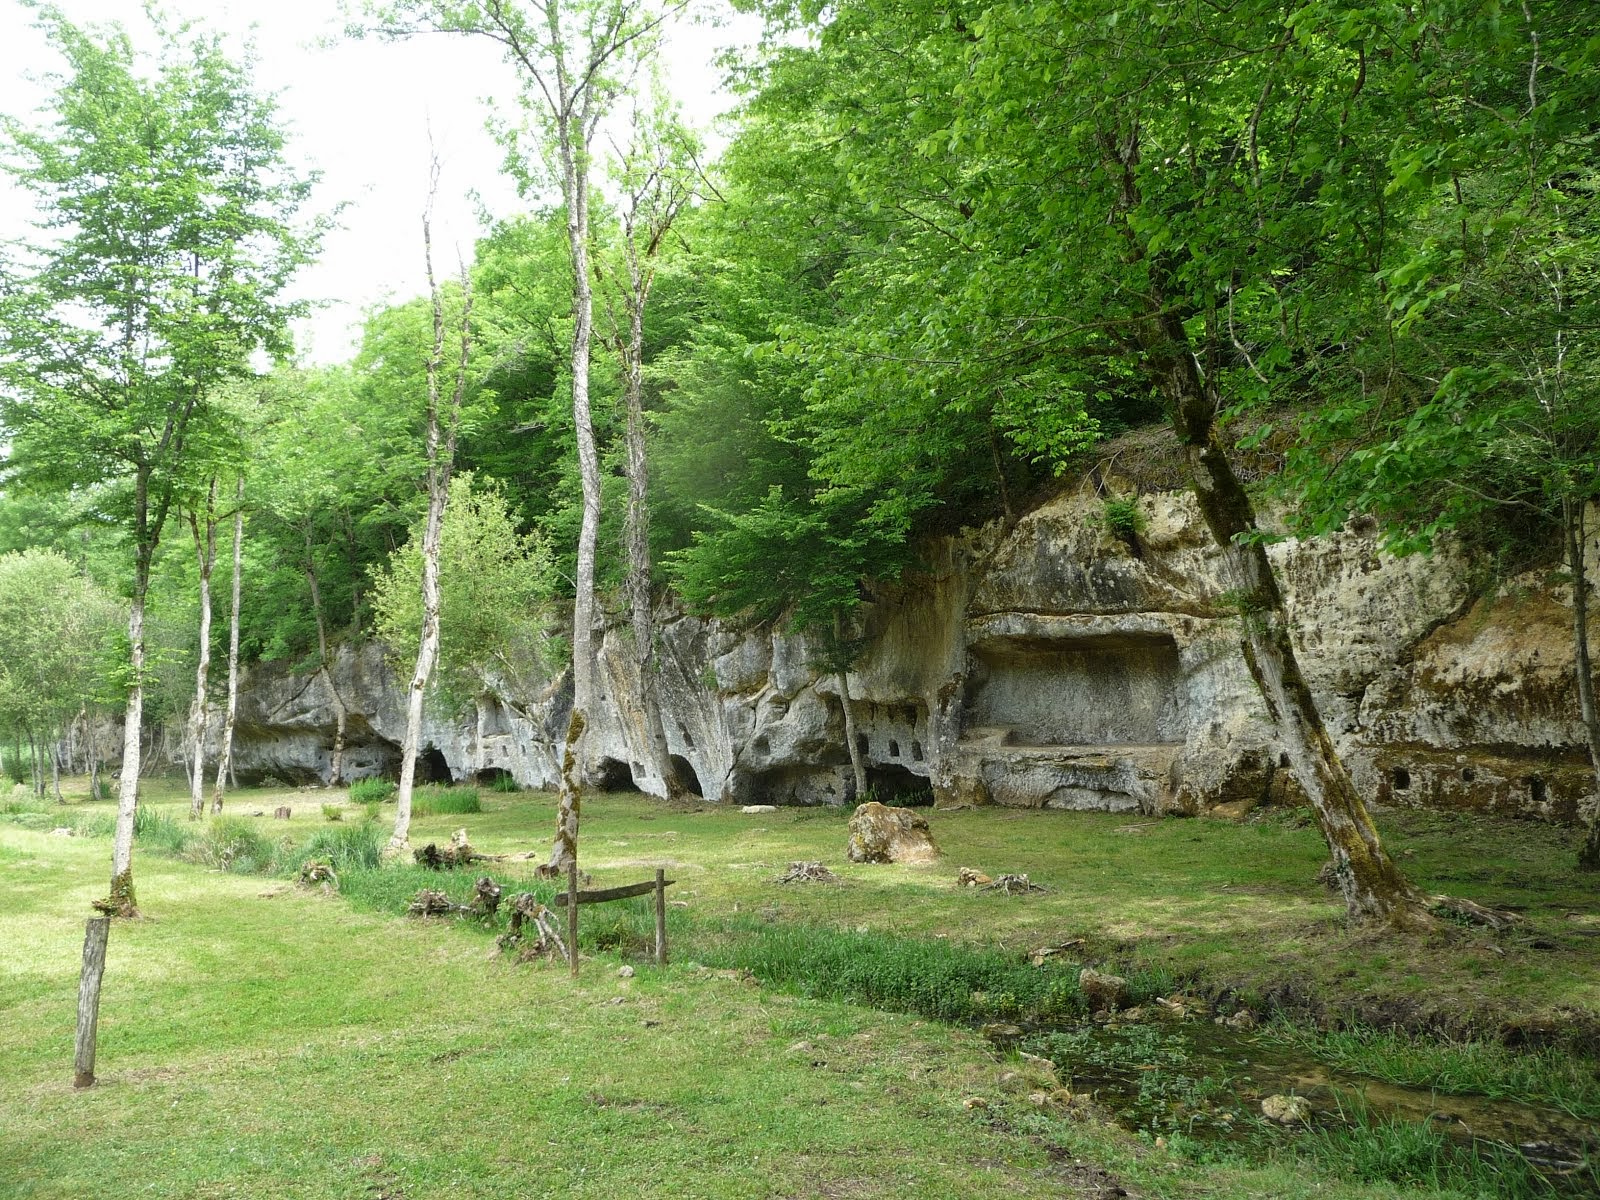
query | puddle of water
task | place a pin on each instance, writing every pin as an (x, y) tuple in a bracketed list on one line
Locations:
[(1207, 1081)]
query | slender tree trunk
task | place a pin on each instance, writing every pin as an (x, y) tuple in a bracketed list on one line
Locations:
[(575, 178), (325, 658), (225, 751), (1373, 887), (205, 549), (858, 766), (122, 901), (36, 769), (55, 773), (441, 453), (95, 792), (1577, 536)]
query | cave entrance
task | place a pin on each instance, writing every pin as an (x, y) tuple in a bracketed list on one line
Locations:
[(899, 786), (1119, 690), (496, 779), (613, 775), (433, 767), (686, 774)]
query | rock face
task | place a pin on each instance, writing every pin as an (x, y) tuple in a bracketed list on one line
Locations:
[(1043, 664), (880, 834)]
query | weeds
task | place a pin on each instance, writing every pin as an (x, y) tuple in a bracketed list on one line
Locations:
[(160, 830), (233, 844), (332, 812)]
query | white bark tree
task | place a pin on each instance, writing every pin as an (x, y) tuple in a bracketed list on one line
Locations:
[(573, 58), (203, 527), (225, 752), (442, 428)]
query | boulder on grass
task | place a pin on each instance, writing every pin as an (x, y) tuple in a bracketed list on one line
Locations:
[(1102, 993), (880, 834)]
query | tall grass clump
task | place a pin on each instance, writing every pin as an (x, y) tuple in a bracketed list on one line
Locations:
[(372, 791), (1389, 1150), (930, 978), (160, 831), (504, 783), (436, 801), (1459, 1068), (349, 848), (233, 844)]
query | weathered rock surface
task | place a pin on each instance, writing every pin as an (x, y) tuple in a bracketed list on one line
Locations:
[(1044, 665), (1101, 991), (880, 834)]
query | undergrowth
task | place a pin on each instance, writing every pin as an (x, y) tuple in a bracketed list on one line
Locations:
[(372, 791), (435, 801)]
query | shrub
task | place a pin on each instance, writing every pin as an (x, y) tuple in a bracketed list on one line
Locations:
[(332, 812), (505, 783), (369, 810), (372, 791), (435, 801)]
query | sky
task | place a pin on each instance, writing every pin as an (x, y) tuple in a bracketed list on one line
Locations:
[(363, 113)]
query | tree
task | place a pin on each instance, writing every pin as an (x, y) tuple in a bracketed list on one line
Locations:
[(1116, 196), (495, 587), (443, 425), (173, 209), (572, 57), (1481, 417), (231, 712), (656, 176)]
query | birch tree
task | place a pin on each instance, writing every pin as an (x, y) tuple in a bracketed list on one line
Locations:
[(203, 528), (231, 712), (572, 59), (170, 213), (442, 429)]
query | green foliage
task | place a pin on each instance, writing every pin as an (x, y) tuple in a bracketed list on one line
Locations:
[(332, 812), (1122, 517), (494, 583), (505, 783), (372, 791), (351, 848), (436, 801)]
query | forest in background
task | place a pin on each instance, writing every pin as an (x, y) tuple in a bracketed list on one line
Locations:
[(947, 250)]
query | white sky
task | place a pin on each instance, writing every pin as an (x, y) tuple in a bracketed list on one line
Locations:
[(361, 112)]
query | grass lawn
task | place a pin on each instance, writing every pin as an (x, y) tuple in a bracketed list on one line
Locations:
[(263, 1040)]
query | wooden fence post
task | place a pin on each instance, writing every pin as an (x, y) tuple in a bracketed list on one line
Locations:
[(572, 915), (661, 917), (95, 934)]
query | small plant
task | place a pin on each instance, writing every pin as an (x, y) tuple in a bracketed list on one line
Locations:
[(434, 801), (505, 783), (369, 810), (332, 812), (350, 848), (372, 791), (1122, 517)]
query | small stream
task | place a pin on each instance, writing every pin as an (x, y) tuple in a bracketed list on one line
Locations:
[(1206, 1081)]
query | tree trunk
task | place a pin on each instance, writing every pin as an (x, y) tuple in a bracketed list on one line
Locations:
[(638, 531), (205, 549), (55, 773), (35, 766), (575, 186), (1373, 887), (225, 751), (122, 901), (325, 658), (858, 766), (1577, 536), (94, 776), (441, 452)]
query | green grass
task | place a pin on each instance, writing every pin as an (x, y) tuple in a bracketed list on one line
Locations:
[(433, 1066), (372, 791), (1470, 1068), (437, 801)]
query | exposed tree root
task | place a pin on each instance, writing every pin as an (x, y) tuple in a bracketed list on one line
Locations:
[(1013, 885), (525, 909), (806, 872)]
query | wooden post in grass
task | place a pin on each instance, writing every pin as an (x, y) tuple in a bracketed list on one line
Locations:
[(572, 915), (661, 917), (95, 933)]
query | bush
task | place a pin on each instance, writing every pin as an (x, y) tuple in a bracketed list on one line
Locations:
[(372, 791), (332, 812), (505, 783), (436, 801), (369, 810), (1123, 518)]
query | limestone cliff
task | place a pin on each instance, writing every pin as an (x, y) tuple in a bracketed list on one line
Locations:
[(1045, 663)]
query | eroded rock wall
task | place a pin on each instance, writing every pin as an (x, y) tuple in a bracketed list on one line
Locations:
[(1050, 662)]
